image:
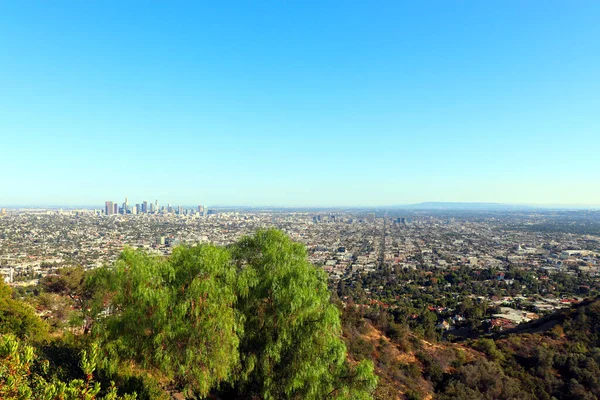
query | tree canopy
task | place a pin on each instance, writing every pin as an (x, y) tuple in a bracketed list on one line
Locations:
[(172, 314), (291, 347), (251, 320), (19, 318)]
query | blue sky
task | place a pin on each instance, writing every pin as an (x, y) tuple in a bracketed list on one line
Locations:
[(346, 103)]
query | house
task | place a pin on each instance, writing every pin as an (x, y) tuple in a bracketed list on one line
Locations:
[(444, 325)]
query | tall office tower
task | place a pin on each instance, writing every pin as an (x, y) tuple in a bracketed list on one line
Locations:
[(200, 209), (156, 206), (139, 208), (134, 209), (126, 206), (180, 210), (169, 208), (108, 207), (115, 208), (151, 208), (145, 207)]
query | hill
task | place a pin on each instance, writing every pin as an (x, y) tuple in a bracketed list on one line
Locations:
[(557, 357), (458, 206)]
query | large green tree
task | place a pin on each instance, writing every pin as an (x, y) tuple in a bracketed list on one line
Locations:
[(173, 314), (253, 320), (292, 346)]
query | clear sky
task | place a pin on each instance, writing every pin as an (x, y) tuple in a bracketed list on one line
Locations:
[(299, 103)]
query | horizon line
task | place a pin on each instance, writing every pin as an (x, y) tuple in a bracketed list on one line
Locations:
[(436, 204)]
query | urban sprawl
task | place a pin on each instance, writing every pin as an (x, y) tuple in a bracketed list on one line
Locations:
[(349, 245)]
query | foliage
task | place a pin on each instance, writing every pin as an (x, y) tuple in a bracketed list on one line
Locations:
[(252, 320), (482, 380), (559, 362), (18, 382), (18, 318), (69, 281), (292, 345), (175, 315), (488, 346)]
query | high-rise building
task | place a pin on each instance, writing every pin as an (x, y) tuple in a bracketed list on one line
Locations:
[(3, 211), (115, 208), (108, 207), (145, 207)]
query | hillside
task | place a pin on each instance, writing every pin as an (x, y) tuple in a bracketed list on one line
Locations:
[(557, 357)]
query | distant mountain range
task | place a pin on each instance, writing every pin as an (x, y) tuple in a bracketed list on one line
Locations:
[(432, 205)]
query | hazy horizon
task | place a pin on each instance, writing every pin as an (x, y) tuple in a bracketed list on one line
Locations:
[(421, 205)]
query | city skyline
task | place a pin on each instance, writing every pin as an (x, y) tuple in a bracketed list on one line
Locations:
[(301, 104), (152, 207)]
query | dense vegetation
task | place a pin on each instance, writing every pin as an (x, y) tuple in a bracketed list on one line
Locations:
[(557, 357), (253, 320)]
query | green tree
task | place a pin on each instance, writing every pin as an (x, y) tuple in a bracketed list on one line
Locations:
[(17, 381), (173, 314), (254, 320), (67, 287), (68, 281), (19, 318), (488, 346), (292, 346)]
